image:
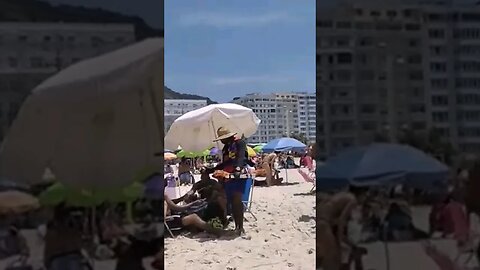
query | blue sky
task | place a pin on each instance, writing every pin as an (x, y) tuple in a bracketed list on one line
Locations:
[(222, 49)]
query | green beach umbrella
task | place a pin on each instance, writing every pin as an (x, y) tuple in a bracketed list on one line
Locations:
[(128, 194), (59, 193), (258, 148), (185, 154)]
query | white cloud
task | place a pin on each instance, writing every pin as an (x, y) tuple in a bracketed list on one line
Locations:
[(249, 79), (221, 20)]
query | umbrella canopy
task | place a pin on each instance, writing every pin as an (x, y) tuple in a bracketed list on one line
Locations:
[(17, 202), (251, 152), (59, 193), (196, 130), (155, 187), (258, 148), (214, 151), (95, 124), (382, 164), (283, 144), (185, 154), (169, 156)]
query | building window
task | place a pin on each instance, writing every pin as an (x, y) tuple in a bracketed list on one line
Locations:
[(439, 83), (344, 58), (413, 43), (36, 62), (439, 100), (344, 25), (368, 109), (416, 75), (96, 41), (324, 24), (407, 13), (366, 41), (412, 27), (12, 62), (414, 59), (438, 50), (438, 67), (436, 33), (391, 13)]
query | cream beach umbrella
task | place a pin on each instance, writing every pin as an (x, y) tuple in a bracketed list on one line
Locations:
[(195, 131), (16, 202), (95, 124)]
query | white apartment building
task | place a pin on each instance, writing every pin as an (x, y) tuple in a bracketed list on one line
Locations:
[(386, 66), (281, 115), (307, 115), (31, 52), (174, 108)]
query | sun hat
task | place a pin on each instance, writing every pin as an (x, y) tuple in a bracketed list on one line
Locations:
[(224, 133)]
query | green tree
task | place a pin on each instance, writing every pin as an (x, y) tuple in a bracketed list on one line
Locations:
[(300, 137)]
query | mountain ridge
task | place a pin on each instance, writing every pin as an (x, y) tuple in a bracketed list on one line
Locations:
[(41, 11), (171, 94)]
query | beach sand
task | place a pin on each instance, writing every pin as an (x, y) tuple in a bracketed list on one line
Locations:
[(283, 237)]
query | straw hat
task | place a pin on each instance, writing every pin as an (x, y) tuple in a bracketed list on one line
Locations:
[(224, 133)]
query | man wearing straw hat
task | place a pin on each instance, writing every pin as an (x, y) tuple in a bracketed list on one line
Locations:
[(234, 162)]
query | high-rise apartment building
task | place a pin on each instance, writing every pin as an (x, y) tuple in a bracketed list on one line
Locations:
[(282, 115), (174, 108), (383, 67), (32, 52)]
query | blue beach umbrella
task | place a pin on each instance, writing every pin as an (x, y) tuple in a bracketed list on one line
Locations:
[(283, 145), (382, 164)]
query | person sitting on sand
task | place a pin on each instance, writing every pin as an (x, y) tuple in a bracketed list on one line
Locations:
[(332, 220), (214, 223), (63, 243), (131, 251)]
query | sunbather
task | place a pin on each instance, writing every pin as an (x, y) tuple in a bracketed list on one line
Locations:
[(213, 224), (333, 216)]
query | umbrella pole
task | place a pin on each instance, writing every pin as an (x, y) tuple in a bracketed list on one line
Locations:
[(129, 212), (286, 174), (385, 245)]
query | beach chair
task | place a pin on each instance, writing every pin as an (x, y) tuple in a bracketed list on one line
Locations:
[(308, 177), (170, 230), (247, 195)]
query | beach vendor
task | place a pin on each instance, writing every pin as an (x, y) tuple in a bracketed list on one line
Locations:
[(235, 159)]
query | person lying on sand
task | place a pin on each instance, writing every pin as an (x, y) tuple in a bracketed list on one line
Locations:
[(194, 220), (333, 216)]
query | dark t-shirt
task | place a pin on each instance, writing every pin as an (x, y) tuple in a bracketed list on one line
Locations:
[(234, 155)]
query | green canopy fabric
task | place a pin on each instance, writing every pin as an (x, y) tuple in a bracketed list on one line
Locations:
[(258, 148), (185, 154), (59, 193)]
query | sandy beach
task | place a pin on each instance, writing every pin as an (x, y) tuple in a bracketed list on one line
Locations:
[(410, 255), (283, 237)]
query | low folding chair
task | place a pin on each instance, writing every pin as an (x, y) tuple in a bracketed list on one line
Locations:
[(308, 177), (170, 231), (247, 196)]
